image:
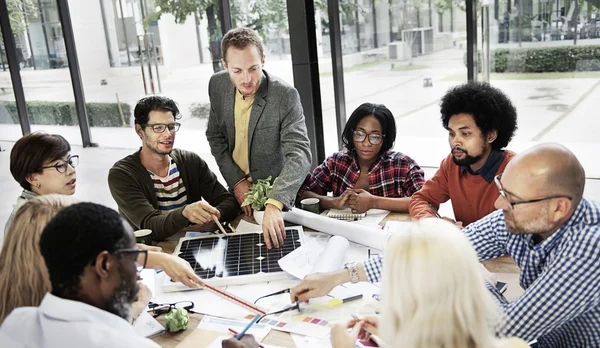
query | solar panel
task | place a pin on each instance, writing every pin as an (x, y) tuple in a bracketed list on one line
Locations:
[(239, 258)]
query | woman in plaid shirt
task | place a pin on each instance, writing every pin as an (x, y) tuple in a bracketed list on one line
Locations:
[(367, 174)]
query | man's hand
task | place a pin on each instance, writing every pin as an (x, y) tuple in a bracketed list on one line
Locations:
[(342, 338), (458, 224), (273, 226), (318, 284), (247, 341), (200, 212), (239, 191), (361, 201), (143, 297)]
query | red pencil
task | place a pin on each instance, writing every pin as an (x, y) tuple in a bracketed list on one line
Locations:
[(235, 333)]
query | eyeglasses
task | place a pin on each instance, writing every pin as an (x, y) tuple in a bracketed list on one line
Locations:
[(161, 127), (61, 166), (162, 308), (138, 256), (286, 309), (512, 204), (374, 138)]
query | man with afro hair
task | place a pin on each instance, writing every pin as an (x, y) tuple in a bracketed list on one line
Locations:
[(481, 121)]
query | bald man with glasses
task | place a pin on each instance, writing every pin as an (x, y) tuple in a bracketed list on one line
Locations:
[(543, 222)]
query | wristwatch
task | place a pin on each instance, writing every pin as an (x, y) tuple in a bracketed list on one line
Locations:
[(351, 267)]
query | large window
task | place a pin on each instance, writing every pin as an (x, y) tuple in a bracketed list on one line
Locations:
[(546, 56), (44, 72), (394, 53)]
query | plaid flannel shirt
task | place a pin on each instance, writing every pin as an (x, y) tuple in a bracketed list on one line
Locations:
[(560, 275), (394, 175)]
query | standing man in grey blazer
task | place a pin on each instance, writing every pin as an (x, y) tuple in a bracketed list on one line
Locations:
[(256, 129)]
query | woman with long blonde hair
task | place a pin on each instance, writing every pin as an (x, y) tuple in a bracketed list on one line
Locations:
[(433, 294), (23, 275)]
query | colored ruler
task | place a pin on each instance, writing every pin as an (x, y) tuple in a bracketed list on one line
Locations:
[(234, 299)]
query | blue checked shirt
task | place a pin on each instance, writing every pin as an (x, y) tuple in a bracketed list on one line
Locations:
[(560, 275)]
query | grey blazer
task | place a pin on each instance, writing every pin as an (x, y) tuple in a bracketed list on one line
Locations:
[(278, 144)]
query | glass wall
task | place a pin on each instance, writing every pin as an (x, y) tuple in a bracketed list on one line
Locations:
[(269, 18), (546, 56), (9, 119), (395, 54), (44, 71)]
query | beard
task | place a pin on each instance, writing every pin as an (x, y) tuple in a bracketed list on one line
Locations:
[(467, 160), (156, 150), (120, 302), (534, 225)]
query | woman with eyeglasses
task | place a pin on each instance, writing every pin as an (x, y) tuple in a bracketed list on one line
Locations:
[(367, 174), (433, 295), (43, 164)]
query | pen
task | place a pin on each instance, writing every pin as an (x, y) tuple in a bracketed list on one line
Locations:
[(337, 301), (241, 334), (219, 224), (434, 210), (235, 333)]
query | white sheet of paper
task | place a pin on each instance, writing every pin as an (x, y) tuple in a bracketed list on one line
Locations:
[(218, 343), (312, 257), (245, 226), (302, 341), (396, 226), (146, 326), (223, 325)]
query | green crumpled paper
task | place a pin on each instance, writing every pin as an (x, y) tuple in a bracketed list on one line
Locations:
[(177, 319)]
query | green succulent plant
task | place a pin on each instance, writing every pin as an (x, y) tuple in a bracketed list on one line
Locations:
[(257, 196)]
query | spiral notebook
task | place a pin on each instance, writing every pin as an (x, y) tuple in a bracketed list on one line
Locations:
[(345, 214)]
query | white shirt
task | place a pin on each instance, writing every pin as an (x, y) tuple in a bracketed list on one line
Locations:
[(64, 323)]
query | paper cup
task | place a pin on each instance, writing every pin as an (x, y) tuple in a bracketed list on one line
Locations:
[(310, 204), (143, 236)]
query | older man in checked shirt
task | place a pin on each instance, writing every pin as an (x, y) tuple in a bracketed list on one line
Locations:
[(552, 233)]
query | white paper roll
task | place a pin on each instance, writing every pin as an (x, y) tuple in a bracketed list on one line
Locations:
[(333, 255), (368, 236)]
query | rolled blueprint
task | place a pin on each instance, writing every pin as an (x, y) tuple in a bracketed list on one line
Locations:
[(333, 255), (368, 236)]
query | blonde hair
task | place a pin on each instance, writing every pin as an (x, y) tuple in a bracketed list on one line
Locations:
[(24, 278), (433, 292)]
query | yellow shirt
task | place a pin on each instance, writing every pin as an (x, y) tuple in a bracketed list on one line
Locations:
[(242, 110), (243, 107)]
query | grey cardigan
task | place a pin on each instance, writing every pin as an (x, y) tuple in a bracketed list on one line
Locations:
[(22, 199), (278, 144)]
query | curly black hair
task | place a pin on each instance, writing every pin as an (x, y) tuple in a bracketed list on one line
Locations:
[(382, 114), (489, 106), (73, 239), (144, 106)]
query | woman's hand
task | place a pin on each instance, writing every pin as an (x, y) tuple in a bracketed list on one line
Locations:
[(177, 268), (149, 247), (342, 338), (361, 201), (340, 201)]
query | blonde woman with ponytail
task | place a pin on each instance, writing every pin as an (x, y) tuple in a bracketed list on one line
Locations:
[(433, 295), (23, 274)]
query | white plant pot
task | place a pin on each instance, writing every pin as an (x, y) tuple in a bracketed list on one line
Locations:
[(258, 216)]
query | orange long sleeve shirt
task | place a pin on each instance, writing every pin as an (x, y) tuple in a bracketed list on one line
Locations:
[(472, 195)]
